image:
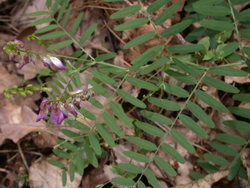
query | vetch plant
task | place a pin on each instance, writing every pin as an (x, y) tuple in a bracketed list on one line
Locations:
[(209, 48)]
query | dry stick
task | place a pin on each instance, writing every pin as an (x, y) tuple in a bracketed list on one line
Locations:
[(22, 156)]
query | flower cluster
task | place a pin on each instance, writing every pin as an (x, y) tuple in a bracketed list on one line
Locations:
[(18, 53), (61, 109)]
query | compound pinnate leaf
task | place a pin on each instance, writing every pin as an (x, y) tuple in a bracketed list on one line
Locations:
[(150, 129), (60, 45), (164, 103), (129, 168), (94, 143), (237, 124), (215, 159), (142, 84), (217, 25), (85, 36), (156, 117), (152, 179), (223, 149)]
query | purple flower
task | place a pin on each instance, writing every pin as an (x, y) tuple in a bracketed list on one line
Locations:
[(44, 107), (70, 108), (48, 61), (56, 115)]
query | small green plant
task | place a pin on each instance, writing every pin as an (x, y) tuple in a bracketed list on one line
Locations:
[(206, 53)]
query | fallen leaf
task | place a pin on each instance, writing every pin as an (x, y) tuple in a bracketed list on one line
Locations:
[(205, 182), (17, 121), (44, 175)]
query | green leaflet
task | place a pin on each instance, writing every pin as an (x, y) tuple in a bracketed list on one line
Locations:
[(227, 71), (242, 112), (195, 175), (172, 153), (111, 123), (90, 155), (75, 136), (165, 104), (52, 35), (182, 77), (64, 177), (217, 25), (56, 163), (142, 84), (72, 171), (156, 117), (131, 99), (161, 163), (244, 33), (41, 21), (141, 143), (46, 29), (190, 69), (186, 48), (150, 129), (141, 185), (85, 36), (61, 153), (207, 167), (140, 39), (62, 9), (243, 15), (215, 159), (223, 149), (104, 78), (129, 168), (156, 5), (210, 10), (76, 24), (230, 48), (87, 114), (234, 167), (67, 145), (104, 57), (175, 90), (230, 139), (200, 114), (180, 139), (123, 181), (126, 12), (76, 80), (131, 24), (211, 101), (167, 13), (155, 65), (105, 135), (38, 13), (151, 178), (98, 88), (94, 143), (193, 126), (66, 16), (118, 111), (177, 28), (220, 85), (136, 156), (244, 97), (237, 124), (60, 45), (145, 57)]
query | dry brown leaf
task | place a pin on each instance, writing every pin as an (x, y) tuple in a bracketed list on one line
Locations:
[(205, 182), (44, 175), (7, 80), (17, 121)]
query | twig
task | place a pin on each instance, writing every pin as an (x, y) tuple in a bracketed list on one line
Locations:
[(22, 156)]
